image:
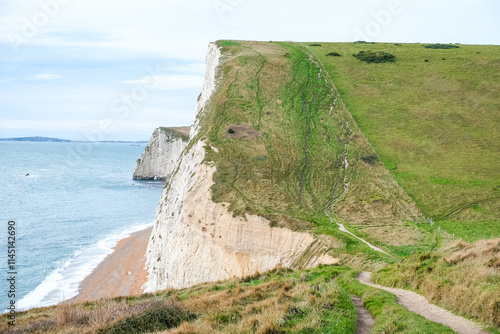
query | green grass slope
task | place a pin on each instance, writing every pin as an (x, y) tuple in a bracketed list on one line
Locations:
[(288, 149), (432, 116)]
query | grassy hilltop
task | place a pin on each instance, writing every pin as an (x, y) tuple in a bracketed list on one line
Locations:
[(432, 116), (307, 134)]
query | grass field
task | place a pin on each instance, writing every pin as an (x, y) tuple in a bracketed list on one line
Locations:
[(293, 135), (281, 301), (432, 117)]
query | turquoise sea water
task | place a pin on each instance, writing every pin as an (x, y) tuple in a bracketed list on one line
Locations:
[(77, 202)]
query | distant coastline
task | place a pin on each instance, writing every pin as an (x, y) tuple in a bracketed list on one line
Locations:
[(59, 140)]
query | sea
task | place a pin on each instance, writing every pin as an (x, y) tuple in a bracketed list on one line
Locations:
[(71, 204)]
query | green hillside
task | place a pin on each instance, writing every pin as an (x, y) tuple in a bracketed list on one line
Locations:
[(432, 116), (429, 117), (289, 150)]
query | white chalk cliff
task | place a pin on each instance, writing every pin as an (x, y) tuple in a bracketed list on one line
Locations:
[(161, 153), (196, 240)]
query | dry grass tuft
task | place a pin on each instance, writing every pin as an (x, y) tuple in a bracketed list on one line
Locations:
[(185, 328), (70, 315)]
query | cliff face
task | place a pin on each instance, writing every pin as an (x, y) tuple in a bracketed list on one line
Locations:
[(196, 240), (161, 153)]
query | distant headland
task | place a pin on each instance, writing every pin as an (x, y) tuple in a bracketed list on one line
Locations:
[(59, 140)]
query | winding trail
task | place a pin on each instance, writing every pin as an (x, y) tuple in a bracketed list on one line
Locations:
[(365, 319), (343, 229), (416, 303)]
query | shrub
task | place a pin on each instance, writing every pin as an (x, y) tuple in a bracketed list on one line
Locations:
[(370, 159), (363, 42), (334, 54), (440, 46), (315, 44), (156, 319), (375, 56), (230, 131)]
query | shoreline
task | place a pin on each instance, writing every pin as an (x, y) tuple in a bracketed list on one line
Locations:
[(121, 273)]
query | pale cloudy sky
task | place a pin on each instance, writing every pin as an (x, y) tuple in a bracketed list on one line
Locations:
[(77, 69)]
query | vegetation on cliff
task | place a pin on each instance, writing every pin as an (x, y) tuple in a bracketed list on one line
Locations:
[(295, 150)]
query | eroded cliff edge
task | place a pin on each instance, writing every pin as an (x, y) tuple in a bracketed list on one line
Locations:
[(196, 240), (161, 153)]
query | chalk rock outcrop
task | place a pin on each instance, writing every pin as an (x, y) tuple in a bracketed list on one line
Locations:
[(196, 240), (161, 153)]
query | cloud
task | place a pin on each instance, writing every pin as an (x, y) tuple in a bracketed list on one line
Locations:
[(182, 29), (47, 76), (101, 48), (170, 82)]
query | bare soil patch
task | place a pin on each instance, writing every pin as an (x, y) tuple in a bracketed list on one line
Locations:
[(365, 319), (242, 131)]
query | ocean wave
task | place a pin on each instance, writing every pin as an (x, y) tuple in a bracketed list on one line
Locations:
[(62, 284)]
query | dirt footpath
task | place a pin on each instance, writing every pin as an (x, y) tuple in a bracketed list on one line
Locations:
[(418, 304)]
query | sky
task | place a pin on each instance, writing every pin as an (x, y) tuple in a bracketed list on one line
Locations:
[(117, 69)]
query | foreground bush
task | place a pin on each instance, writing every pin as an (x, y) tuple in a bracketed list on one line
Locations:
[(374, 56), (441, 46), (334, 54)]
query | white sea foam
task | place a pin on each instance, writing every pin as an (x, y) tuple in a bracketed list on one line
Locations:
[(63, 282)]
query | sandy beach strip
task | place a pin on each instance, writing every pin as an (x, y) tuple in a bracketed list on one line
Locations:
[(121, 273)]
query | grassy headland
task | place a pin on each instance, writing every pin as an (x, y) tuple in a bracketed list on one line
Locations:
[(287, 149), (432, 117)]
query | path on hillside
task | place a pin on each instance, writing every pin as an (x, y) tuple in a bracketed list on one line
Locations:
[(344, 157), (365, 320), (416, 303), (343, 229)]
